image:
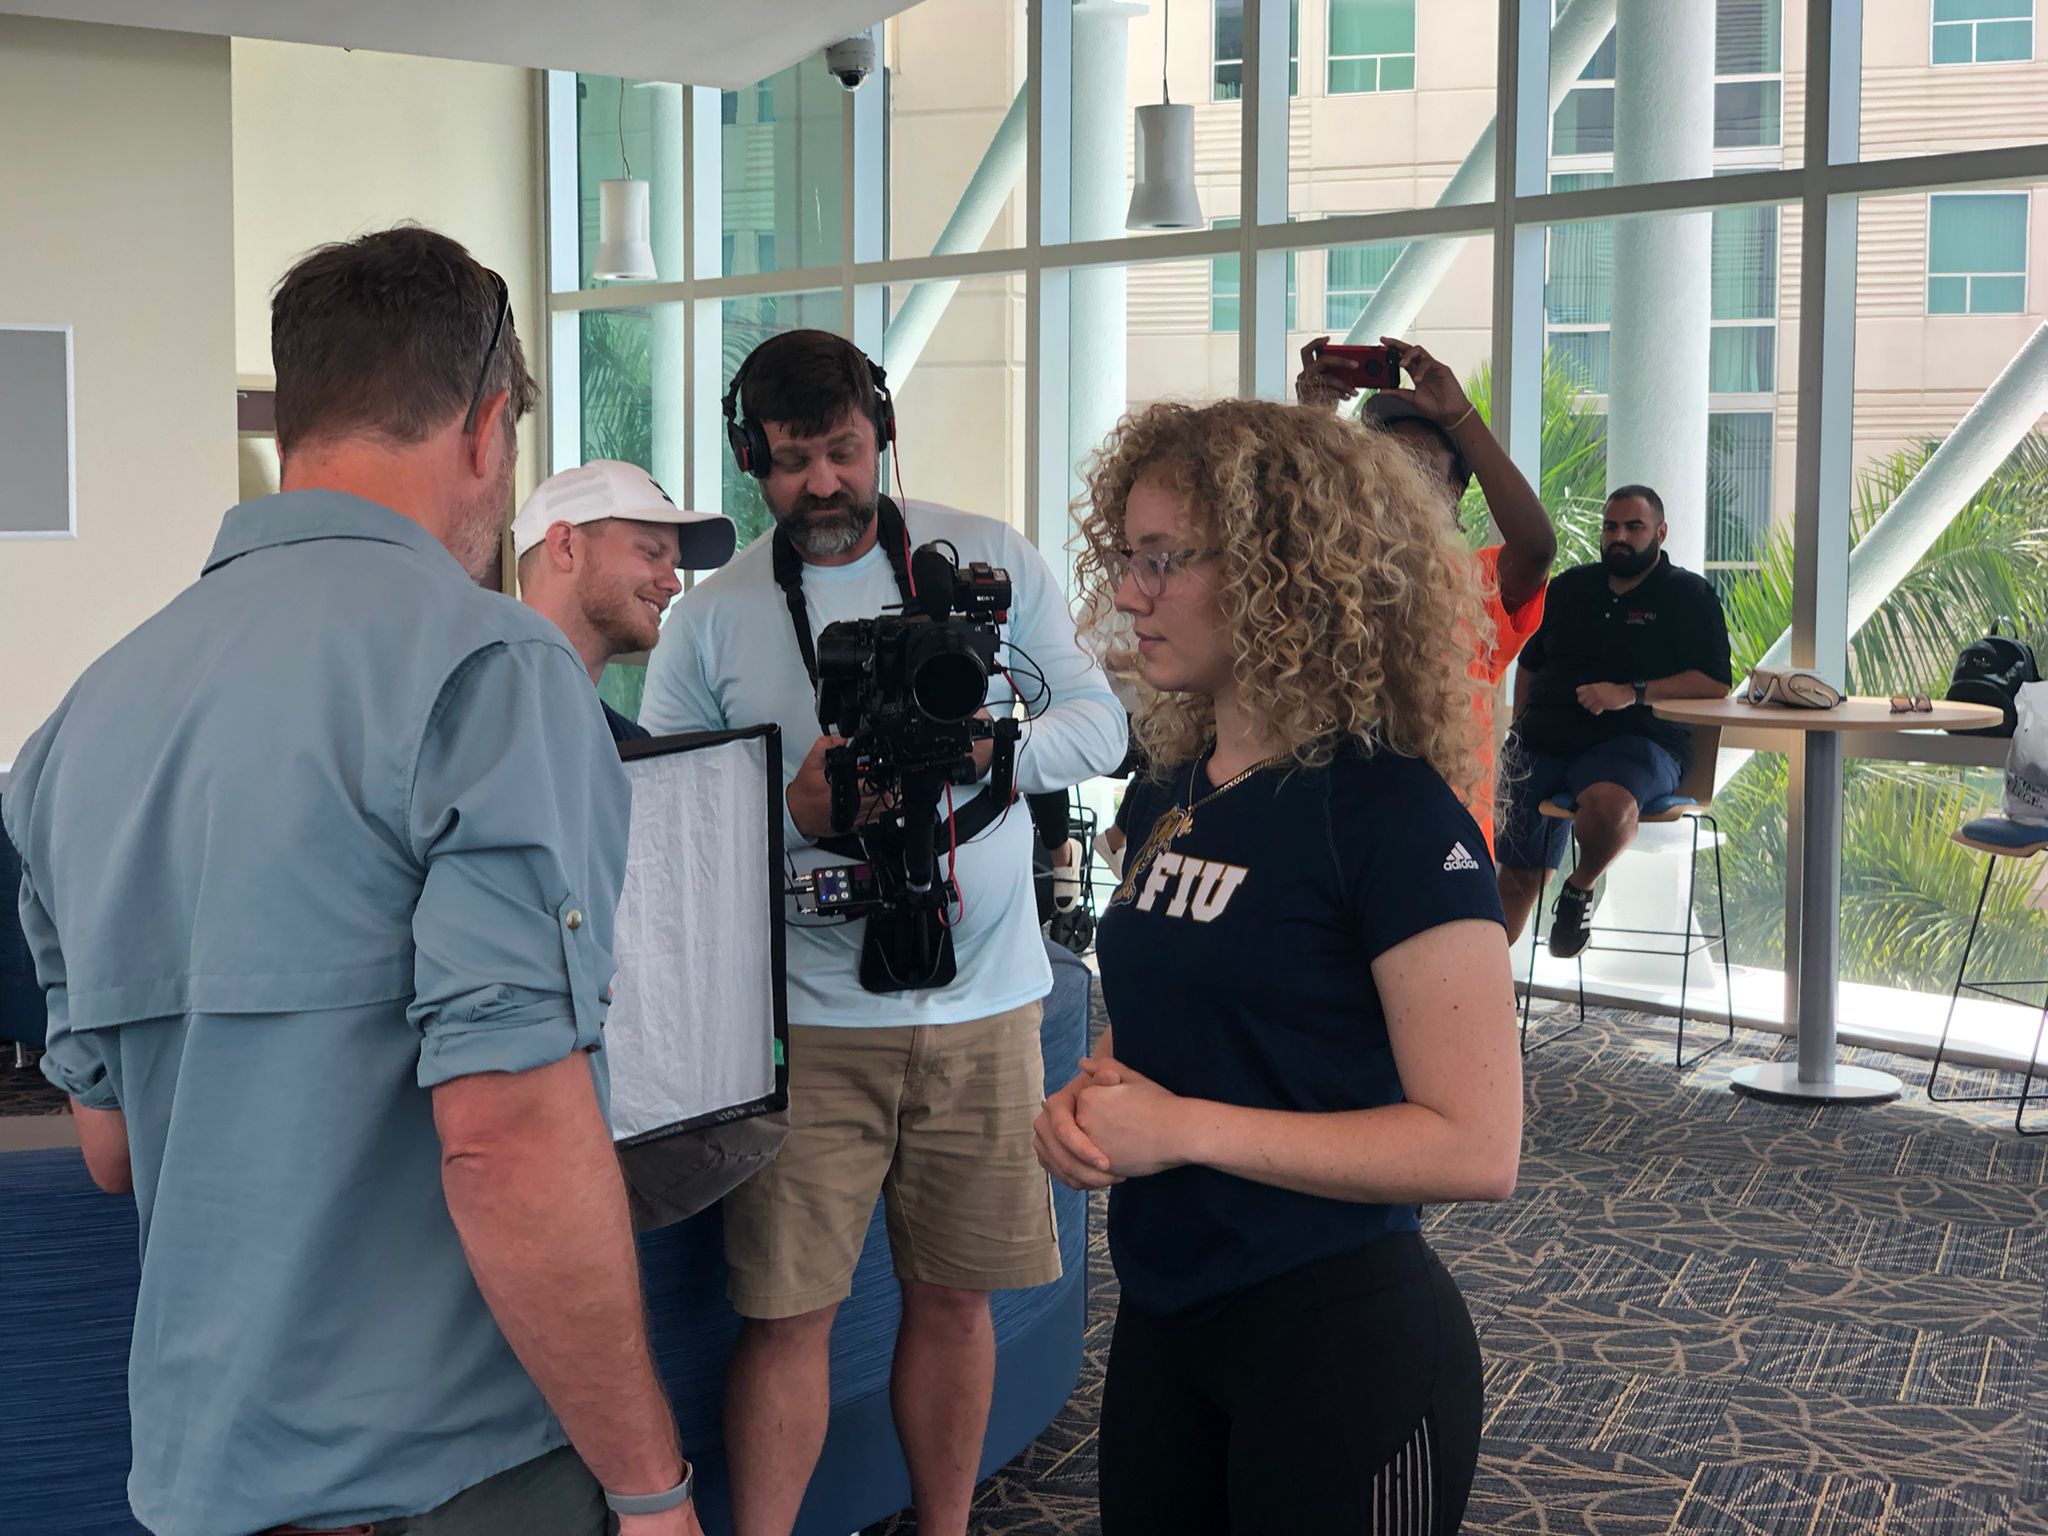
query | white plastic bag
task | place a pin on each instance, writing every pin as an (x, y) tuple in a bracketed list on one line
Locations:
[(1793, 687), (2026, 764)]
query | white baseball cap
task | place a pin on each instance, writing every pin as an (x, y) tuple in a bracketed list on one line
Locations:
[(607, 488)]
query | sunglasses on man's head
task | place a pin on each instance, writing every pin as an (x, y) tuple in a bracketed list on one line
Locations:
[(483, 374)]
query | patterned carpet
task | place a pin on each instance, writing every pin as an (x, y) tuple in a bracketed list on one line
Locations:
[(1707, 1314)]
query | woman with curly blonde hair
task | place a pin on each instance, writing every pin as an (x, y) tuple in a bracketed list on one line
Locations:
[(1307, 977)]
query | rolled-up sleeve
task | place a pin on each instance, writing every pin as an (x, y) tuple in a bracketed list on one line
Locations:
[(73, 1061), (519, 816)]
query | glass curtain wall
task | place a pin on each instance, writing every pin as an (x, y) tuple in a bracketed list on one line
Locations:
[(1579, 203)]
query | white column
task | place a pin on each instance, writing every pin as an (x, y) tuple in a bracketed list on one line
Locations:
[(1657, 396), (1101, 192), (864, 139), (704, 373), (564, 274), (669, 357)]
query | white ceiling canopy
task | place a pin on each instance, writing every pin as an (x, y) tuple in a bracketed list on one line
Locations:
[(727, 43)]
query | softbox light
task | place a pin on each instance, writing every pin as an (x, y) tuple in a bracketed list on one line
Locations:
[(698, 1031)]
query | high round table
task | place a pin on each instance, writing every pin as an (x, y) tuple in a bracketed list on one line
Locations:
[(1817, 1075)]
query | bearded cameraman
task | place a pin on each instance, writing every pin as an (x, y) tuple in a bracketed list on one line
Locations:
[(926, 1095)]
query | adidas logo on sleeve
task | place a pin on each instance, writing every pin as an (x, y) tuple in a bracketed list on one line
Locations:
[(1459, 858)]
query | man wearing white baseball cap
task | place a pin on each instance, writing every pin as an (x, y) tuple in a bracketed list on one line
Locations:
[(598, 548)]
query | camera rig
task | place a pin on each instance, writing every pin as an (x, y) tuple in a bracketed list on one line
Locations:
[(906, 691)]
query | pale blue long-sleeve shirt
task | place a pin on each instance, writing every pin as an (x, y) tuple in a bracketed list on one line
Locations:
[(334, 827), (728, 657)]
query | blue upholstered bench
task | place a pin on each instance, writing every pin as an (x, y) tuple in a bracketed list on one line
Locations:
[(67, 1300)]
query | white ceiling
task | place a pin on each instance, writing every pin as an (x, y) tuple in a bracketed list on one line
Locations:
[(728, 43)]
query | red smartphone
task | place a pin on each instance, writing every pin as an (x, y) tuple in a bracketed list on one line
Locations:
[(1376, 367)]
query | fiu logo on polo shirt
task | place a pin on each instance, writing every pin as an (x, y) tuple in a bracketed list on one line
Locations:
[(1201, 888)]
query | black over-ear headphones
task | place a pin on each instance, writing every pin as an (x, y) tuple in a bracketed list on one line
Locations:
[(749, 441)]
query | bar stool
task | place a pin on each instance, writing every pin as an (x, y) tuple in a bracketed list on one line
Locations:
[(1692, 803), (1996, 837)]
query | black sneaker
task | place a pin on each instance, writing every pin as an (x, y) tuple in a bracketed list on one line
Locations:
[(1571, 922)]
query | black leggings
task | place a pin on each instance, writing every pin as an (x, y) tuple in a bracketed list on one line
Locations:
[(1341, 1397)]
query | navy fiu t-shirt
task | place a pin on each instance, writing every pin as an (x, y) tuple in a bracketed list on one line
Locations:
[(1238, 967)]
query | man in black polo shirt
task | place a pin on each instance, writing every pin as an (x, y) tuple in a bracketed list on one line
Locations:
[(1616, 636)]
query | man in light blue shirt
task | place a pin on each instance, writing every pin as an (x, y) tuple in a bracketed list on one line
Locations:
[(319, 874), (927, 1093)]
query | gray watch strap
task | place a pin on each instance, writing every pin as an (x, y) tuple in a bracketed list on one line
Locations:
[(653, 1503)]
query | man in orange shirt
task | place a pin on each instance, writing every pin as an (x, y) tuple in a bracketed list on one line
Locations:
[(1441, 426)]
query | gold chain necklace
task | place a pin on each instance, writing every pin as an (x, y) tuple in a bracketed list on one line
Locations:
[(1177, 822)]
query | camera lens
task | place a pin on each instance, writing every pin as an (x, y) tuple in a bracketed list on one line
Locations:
[(947, 679)]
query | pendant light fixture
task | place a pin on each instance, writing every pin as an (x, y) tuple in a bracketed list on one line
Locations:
[(624, 252), (1164, 196)]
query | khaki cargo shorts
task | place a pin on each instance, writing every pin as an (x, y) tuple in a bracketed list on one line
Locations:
[(937, 1119)]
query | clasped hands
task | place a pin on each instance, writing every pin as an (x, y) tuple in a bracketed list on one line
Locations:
[(1109, 1124)]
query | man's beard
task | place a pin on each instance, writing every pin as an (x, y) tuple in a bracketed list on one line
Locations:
[(827, 528), (1623, 560), (477, 537), (618, 620)]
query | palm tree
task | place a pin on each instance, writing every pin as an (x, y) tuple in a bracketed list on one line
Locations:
[(618, 387), (1990, 562), (1907, 889), (1573, 484), (618, 415)]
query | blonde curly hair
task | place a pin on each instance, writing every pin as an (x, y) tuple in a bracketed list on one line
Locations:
[(1352, 606)]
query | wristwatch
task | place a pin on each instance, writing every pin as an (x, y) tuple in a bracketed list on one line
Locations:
[(653, 1503), (1642, 692)]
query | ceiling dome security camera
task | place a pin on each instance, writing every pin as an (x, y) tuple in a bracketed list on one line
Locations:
[(851, 60)]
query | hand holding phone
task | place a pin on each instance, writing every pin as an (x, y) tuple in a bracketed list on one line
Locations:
[(1371, 367)]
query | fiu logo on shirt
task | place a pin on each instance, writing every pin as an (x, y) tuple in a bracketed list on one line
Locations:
[(1201, 888), (1639, 616)]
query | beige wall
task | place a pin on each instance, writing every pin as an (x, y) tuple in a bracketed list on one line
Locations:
[(329, 144), (118, 222)]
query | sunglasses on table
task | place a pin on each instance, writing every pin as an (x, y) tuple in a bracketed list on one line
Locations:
[(1912, 704)]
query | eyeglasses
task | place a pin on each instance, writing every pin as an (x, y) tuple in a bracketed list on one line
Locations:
[(1912, 704), (483, 374), (1151, 568)]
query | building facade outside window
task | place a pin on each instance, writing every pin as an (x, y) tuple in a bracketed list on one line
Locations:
[(1977, 253), (1372, 46), (1228, 69), (1352, 276), (1223, 287), (1982, 31), (1749, 86)]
